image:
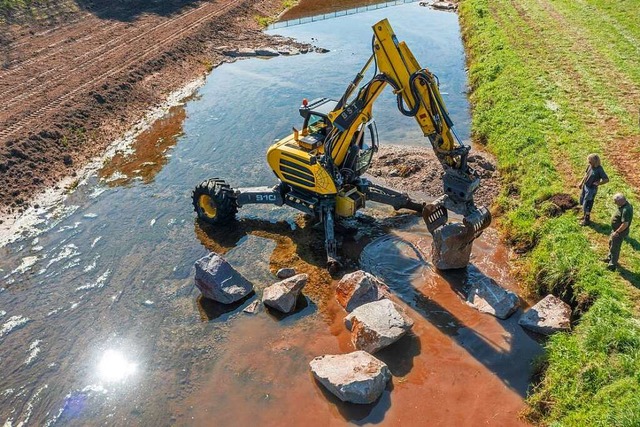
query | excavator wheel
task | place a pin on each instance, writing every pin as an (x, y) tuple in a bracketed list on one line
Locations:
[(215, 201)]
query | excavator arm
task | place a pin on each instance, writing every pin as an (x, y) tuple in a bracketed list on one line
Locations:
[(418, 96)]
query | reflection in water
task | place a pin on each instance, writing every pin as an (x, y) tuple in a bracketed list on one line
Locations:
[(148, 154), (114, 367)]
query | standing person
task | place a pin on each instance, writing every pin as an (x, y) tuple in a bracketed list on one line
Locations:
[(594, 176), (620, 223)]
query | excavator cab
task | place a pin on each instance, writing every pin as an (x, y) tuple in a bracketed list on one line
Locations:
[(361, 151), (316, 124)]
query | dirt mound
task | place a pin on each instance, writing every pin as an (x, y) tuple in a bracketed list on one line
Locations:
[(564, 201), (558, 204), (416, 169)]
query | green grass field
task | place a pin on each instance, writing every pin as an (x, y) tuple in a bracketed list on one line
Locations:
[(553, 81)]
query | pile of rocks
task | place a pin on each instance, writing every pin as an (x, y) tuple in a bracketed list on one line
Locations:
[(219, 281), (441, 5), (266, 51), (375, 323)]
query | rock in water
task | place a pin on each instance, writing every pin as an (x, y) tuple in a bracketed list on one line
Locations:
[(252, 308), (377, 325), (548, 316), (358, 288), (266, 51), (489, 297), (283, 295), (285, 273), (449, 249), (356, 377), (218, 281)]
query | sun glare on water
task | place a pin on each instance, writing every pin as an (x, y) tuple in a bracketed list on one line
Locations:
[(114, 367)]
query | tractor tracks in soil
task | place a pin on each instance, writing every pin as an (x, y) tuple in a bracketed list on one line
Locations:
[(69, 89), (48, 89)]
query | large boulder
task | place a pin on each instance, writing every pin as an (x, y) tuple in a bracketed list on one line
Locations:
[(489, 297), (283, 295), (218, 281), (356, 377), (377, 325), (450, 248), (548, 316), (358, 288)]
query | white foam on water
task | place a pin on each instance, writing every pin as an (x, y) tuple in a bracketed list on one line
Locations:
[(96, 240), (14, 322), (92, 265), (34, 350), (25, 265), (30, 404), (68, 251), (99, 283)]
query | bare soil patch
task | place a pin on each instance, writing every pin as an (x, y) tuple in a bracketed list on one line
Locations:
[(69, 89)]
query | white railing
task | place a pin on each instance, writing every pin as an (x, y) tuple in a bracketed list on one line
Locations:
[(336, 14)]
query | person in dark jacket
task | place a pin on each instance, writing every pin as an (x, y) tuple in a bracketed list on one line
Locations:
[(620, 223), (594, 176)]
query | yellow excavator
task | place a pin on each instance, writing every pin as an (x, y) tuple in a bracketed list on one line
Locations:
[(320, 168)]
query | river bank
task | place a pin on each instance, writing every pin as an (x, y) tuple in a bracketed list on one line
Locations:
[(541, 104), (72, 85)]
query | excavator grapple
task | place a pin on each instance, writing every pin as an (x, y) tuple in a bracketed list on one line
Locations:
[(320, 168)]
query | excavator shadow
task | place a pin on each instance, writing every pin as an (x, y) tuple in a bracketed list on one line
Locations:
[(452, 317)]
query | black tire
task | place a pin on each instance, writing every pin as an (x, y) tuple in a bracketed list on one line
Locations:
[(215, 201)]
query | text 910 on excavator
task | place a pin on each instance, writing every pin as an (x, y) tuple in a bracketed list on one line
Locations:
[(320, 168)]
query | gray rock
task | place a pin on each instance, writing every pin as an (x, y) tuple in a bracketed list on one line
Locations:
[(450, 248), (548, 316), (377, 325), (252, 308), (356, 377), (218, 281), (283, 295), (288, 50), (488, 297), (358, 288), (242, 52), (266, 51), (444, 5), (285, 273)]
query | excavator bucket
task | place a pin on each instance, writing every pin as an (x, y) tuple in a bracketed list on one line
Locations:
[(435, 216), (477, 221)]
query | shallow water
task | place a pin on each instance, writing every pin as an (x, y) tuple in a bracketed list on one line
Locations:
[(100, 321)]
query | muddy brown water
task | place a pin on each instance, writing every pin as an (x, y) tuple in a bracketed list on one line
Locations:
[(100, 322)]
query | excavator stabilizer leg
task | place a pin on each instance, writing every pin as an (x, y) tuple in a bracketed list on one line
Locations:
[(331, 246)]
